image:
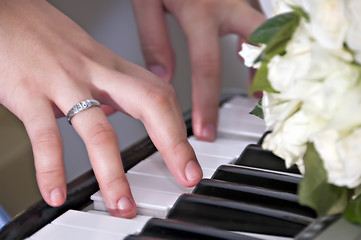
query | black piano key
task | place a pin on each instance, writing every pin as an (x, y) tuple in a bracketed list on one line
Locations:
[(258, 177), (173, 229), (256, 195), (255, 156), (236, 216)]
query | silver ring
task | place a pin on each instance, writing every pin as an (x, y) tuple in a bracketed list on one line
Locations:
[(81, 106)]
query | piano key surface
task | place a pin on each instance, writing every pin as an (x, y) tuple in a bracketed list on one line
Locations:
[(155, 191), (85, 225)]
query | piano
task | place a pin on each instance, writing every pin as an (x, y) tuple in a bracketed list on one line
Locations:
[(247, 193)]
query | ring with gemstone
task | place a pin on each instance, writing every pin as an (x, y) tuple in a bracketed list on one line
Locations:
[(81, 106)]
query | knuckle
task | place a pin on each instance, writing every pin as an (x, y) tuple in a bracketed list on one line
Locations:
[(101, 133), (161, 97), (114, 182), (49, 174), (46, 139), (202, 9), (181, 146)]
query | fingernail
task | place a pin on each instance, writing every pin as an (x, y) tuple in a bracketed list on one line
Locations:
[(158, 70), (124, 204), (209, 132), (56, 197), (193, 171)]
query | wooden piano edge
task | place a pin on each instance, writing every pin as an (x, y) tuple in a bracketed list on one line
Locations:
[(79, 190)]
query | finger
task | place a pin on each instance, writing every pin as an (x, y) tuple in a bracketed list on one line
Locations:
[(154, 38), (243, 19), (102, 146), (155, 104), (46, 142), (108, 110), (166, 128), (206, 80)]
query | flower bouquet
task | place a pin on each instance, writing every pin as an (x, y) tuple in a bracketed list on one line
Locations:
[(309, 68)]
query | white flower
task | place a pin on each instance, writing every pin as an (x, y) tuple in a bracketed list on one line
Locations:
[(276, 110), (328, 22), (305, 60), (289, 140), (338, 96), (318, 86), (250, 53), (284, 71), (341, 157), (354, 33)]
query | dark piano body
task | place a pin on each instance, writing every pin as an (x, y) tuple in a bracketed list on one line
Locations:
[(257, 195)]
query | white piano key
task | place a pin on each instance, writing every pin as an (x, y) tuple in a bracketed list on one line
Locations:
[(170, 185), (240, 124), (98, 202), (56, 232), (153, 195), (84, 225), (155, 166), (225, 148), (151, 167), (239, 129), (228, 114), (101, 223), (241, 102), (149, 202), (211, 162), (153, 203), (156, 157), (99, 212), (206, 161)]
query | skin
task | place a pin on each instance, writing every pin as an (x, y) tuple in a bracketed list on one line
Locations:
[(48, 64), (203, 22), (46, 70)]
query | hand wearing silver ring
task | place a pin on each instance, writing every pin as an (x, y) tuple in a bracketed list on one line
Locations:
[(55, 67), (81, 106), (59, 67)]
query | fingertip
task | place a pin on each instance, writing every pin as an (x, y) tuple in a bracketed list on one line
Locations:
[(207, 132), (126, 208), (161, 72), (57, 197), (193, 173)]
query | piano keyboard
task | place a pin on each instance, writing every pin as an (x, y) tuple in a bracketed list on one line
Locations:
[(246, 193)]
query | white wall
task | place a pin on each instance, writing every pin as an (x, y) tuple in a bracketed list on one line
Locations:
[(111, 22)]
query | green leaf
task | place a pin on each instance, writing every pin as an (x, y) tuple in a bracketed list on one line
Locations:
[(260, 80), (273, 26), (275, 33), (257, 110), (298, 10), (353, 211), (314, 190)]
